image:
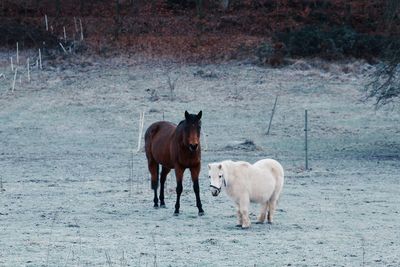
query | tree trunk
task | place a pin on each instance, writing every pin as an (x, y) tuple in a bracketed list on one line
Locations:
[(154, 6), (134, 7), (117, 19), (81, 6), (58, 7), (37, 7), (225, 4), (391, 13), (199, 7)]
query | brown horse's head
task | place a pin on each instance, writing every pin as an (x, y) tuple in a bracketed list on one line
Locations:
[(191, 131)]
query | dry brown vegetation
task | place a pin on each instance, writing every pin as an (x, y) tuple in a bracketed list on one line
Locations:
[(180, 29)]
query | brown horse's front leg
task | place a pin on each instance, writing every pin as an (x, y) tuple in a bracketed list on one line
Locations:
[(179, 188), (196, 188)]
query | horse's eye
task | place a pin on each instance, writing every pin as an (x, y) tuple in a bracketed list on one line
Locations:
[(220, 176), (209, 176)]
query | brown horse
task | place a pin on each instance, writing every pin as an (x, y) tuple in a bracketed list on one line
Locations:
[(174, 147)]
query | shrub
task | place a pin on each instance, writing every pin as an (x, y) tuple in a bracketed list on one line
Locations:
[(332, 43), (264, 52), (272, 54), (384, 83), (27, 35), (181, 4)]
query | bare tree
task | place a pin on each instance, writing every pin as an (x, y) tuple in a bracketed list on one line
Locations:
[(171, 86), (384, 86)]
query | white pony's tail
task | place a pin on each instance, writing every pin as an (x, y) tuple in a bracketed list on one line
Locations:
[(277, 170)]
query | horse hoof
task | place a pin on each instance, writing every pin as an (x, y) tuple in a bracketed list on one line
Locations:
[(259, 222), (270, 223), (163, 206), (176, 213), (201, 213), (238, 225), (155, 206), (245, 227)]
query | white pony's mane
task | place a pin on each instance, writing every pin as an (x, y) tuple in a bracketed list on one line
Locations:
[(228, 171)]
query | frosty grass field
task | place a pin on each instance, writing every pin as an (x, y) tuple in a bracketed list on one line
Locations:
[(76, 193)]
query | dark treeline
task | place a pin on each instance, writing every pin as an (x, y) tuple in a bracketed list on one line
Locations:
[(258, 16), (330, 29)]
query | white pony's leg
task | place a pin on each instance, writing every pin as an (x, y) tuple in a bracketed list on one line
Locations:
[(244, 210), (274, 199), (239, 216), (271, 210), (263, 212)]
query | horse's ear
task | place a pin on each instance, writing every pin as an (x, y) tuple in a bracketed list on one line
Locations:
[(199, 115), (209, 166), (220, 166), (186, 115)]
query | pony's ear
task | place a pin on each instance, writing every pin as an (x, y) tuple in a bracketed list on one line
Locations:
[(186, 115), (199, 115), (219, 166), (209, 166)]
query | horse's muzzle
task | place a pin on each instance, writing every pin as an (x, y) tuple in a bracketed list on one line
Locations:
[(215, 190), (193, 147)]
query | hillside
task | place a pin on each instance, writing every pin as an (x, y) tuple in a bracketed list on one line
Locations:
[(180, 29)]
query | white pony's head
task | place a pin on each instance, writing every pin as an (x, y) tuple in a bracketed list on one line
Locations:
[(216, 175)]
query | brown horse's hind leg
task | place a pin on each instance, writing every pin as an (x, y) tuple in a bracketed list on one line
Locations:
[(163, 177), (196, 188), (179, 188), (153, 168)]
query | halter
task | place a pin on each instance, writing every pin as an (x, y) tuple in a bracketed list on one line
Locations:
[(218, 188)]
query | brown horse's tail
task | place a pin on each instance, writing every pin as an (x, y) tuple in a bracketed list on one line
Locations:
[(153, 166), (148, 136)]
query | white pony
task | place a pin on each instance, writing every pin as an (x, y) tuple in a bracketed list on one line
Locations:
[(261, 182)]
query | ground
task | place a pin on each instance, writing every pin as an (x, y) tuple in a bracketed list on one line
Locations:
[(75, 191)]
